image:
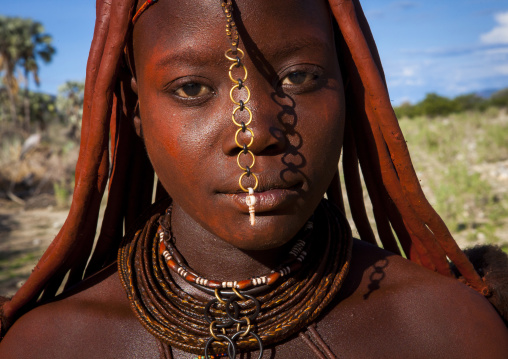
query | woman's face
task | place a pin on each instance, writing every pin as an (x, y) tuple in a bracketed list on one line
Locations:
[(185, 109)]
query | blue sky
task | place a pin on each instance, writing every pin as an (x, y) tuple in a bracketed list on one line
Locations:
[(449, 47), (71, 24)]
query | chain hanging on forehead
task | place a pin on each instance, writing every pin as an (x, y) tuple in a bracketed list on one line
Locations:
[(242, 115)]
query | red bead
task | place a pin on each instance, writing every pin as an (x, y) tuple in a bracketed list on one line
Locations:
[(243, 284), (214, 284), (272, 278), (173, 265)]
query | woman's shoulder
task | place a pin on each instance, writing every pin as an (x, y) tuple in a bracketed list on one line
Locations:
[(409, 311), (93, 320)]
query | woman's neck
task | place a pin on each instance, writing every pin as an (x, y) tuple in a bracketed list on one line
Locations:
[(213, 258)]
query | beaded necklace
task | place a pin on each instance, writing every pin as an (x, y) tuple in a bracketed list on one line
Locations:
[(239, 322), (176, 263)]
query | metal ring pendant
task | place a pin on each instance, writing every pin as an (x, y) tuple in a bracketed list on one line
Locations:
[(255, 185), (238, 102), (231, 345)]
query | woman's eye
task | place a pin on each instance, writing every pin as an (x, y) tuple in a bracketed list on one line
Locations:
[(298, 78), (192, 89)]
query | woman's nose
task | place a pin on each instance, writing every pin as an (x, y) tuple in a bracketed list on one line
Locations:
[(256, 126)]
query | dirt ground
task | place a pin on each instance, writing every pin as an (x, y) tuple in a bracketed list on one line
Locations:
[(24, 234)]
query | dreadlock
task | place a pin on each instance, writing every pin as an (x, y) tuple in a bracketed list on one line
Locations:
[(110, 150)]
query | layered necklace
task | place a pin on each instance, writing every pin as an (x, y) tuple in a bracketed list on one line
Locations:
[(244, 315)]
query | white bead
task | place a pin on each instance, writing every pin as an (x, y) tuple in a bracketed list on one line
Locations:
[(250, 200)]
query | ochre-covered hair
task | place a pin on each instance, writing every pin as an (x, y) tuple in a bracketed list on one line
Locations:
[(111, 150)]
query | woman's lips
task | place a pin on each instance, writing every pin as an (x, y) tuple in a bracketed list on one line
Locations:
[(269, 200)]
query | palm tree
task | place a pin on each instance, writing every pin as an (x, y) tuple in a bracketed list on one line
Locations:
[(69, 103), (23, 44), (37, 47), (9, 56)]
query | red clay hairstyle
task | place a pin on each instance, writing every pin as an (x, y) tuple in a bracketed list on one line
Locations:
[(110, 150)]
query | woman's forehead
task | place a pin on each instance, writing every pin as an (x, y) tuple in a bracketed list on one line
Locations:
[(184, 26), (207, 8)]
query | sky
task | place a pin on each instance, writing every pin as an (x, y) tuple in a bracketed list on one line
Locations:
[(449, 47)]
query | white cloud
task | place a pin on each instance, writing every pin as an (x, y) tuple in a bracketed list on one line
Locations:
[(408, 71), (497, 51), (402, 75), (502, 69), (499, 34)]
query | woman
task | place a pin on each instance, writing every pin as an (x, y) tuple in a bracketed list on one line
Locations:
[(246, 256)]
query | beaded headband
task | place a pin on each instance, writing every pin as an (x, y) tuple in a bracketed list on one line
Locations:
[(235, 55)]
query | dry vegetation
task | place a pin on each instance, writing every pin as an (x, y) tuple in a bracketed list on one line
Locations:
[(35, 190), (462, 160), (462, 163)]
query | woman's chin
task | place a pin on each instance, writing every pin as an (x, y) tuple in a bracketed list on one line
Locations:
[(269, 232)]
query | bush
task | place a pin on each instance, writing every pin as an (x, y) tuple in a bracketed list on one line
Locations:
[(500, 98), (406, 110), (470, 102), (435, 105)]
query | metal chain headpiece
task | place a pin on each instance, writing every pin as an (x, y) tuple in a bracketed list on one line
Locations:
[(236, 55)]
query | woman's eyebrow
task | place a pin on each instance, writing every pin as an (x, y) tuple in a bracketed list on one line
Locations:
[(190, 56), (286, 49)]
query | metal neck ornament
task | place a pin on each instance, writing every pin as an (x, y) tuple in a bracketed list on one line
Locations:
[(231, 321), (236, 55), (226, 304)]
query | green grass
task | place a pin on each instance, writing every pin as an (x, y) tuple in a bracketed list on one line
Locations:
[(493, 146), (13, 267), (10, 264), (62, 193), (453, 156)]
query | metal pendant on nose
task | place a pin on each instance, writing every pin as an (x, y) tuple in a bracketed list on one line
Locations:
[(242, 115)]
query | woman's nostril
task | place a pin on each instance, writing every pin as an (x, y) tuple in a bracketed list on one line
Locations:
[(272, 149)]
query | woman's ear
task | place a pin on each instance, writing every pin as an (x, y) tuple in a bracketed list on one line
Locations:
[(136, 119), (134, 85)]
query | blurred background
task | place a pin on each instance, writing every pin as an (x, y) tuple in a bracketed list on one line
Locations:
[(446, 65)]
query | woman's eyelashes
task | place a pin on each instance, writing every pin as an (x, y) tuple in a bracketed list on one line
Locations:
[(193, 90), (302, 80), (189, 90), (295, 81), (298, 78)]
